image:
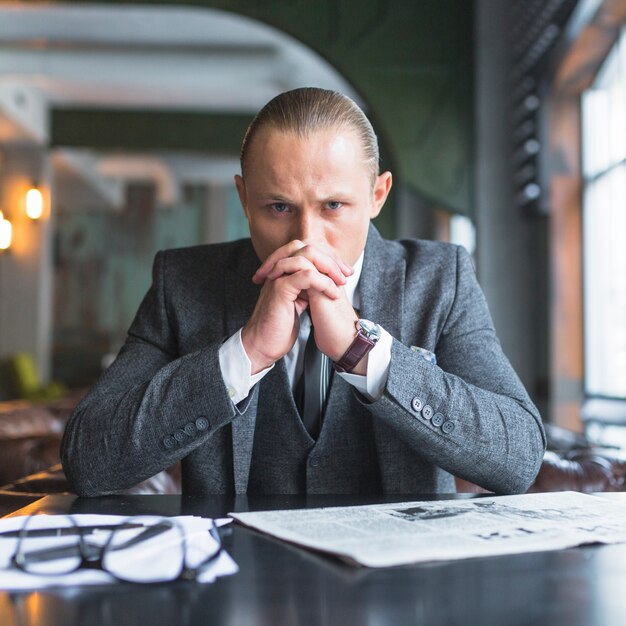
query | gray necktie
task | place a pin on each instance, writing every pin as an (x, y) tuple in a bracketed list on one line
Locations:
[(312, 387)]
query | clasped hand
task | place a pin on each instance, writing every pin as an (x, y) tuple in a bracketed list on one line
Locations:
[(297, 275)]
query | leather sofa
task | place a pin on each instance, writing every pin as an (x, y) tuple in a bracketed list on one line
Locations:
[(586, 470), (571, 463), (30, 434)]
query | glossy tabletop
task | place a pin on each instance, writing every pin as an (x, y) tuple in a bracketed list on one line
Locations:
[(279, 584)]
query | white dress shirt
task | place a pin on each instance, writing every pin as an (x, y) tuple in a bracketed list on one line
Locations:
[(236, 366)]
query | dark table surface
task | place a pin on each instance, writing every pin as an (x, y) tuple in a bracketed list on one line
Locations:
[(279, 584)]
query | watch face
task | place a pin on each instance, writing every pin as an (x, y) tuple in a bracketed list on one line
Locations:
[(370, 329)]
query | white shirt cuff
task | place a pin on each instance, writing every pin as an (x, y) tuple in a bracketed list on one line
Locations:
[(236, 368), (373, 383)]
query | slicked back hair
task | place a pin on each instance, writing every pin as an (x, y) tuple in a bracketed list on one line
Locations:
[(308, 109)]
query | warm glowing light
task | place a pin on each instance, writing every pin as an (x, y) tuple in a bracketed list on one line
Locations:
[(34, 203), (5, 233)]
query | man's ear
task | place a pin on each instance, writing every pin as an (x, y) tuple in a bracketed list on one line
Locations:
[(382, 187), (241, 190)]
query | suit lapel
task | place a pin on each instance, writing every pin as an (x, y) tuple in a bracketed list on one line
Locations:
[(381, 287), (381, 292), (382, 296)]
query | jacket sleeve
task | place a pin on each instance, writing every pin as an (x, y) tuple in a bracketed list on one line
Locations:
[(469, 414), (150, 409)]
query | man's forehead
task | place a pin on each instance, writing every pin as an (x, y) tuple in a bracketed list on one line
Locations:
[(279, 156)]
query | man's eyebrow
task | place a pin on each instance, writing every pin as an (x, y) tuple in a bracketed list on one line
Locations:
[(275, 197), (343, 195)]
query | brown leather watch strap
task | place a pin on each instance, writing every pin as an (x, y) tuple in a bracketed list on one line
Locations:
[(356, 351)]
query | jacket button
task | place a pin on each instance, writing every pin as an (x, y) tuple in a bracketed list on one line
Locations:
[(179, 435), (427, 412), (438, 419), (202, 423), (169, 442), (416, 404), (448, 427), (190, 429)]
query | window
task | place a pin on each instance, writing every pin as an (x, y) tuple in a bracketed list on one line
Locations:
[(604, 227)]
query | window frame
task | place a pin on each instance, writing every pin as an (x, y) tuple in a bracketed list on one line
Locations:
[(589, 38)]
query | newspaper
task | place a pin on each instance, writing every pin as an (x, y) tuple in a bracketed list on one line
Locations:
[(385, 535)]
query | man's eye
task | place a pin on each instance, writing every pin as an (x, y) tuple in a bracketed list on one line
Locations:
[(333, 205), (280, 207)]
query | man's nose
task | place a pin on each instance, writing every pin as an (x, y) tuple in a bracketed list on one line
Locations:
[(308, 227)]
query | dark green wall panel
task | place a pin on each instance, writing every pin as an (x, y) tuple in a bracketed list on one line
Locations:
[(148, 130), (411, 61)]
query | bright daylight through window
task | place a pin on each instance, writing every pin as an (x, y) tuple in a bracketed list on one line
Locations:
[(604, 227)]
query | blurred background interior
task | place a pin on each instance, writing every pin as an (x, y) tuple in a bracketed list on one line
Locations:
[(503, 121)]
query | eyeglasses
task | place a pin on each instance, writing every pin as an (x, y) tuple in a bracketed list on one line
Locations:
[(139, 550)]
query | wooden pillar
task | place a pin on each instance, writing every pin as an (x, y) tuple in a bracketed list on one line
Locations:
[(566, 318)]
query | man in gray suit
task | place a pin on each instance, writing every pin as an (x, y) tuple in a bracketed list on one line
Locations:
[(210, 373)]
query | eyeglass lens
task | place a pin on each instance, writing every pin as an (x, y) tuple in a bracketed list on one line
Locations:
[(153, 551), (56, 555)]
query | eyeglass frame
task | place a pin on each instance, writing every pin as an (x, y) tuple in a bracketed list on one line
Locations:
[(91, 561)]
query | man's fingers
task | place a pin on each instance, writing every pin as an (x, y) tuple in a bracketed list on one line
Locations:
[(290, 265), (301, 306), (280, 253), (308, 279), (295, 264), (323, 258), (314, 250), (329, 264)]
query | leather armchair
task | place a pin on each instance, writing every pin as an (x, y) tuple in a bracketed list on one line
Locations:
[(581, 470), (53, 480), (571, 464), (29, 438)]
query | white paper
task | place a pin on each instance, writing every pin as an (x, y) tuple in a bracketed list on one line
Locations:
[(385, 535), (196, 534)]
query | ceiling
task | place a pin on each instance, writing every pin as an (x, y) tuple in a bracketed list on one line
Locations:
[(161, 57), (146, 58)]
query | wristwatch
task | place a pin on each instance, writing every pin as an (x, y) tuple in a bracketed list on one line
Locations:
[(367, 334)]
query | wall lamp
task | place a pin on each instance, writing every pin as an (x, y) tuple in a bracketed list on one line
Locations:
[(6, 231), (34, 202)]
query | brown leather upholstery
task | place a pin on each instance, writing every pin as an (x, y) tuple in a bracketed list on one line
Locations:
[(21, 418), (586, 470), (572, 464), (53, 480), (30, 434), (583, 470), (25, 455)]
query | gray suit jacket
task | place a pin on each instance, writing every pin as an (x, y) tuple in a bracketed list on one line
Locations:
[(163, 400)]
